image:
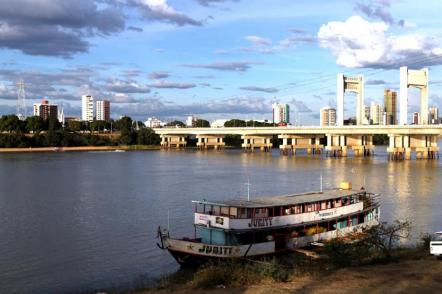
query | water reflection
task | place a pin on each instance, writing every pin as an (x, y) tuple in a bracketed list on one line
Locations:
[(84, 219)]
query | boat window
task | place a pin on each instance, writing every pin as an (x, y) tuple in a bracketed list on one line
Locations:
[(261, 212), (436, 237), (215, 210), (224, 211), (345, 201), (338, 202), (245, 213), (298, 209), (323, 205), (200, 208), (207, 208), (233, 212)]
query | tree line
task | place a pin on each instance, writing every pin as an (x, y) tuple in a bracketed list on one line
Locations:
[(36, 132)]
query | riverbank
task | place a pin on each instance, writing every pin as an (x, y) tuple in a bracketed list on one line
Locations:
[(419, 274), (81, 149)]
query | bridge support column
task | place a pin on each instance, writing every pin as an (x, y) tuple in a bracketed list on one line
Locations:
[(333, 147), (362, 145), (310, 143), (264, 143), (285, 148), (170, 141), (206, 141)]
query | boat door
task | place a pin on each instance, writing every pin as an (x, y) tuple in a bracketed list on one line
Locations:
[(280, 241)]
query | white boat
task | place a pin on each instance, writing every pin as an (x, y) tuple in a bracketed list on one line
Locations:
[(436, 244), (237, 229)]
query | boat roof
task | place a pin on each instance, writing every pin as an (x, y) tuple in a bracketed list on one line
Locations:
[(283, 200)]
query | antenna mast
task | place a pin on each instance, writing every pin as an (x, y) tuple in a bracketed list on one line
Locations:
[(248, 189), (21, 100)]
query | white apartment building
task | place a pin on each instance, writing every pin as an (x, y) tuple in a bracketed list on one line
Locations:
[(219, 123), (153, 122), (191, 121), (103, 110), (327, 116), (281, 113), (87, 108), (376, 113)]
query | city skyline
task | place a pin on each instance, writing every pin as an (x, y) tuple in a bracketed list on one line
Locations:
[(211, 58)]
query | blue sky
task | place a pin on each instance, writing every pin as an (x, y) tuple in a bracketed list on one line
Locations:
[(213, 58)]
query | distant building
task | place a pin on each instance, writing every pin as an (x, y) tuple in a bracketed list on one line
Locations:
[(153, 122), (366, 119), (219, 123), (281, 113), (46, 110), (390, 100), (103, 110), (87, 108), (376, 113), (433, 115), (61, 117), (327, 116), (416, 118), (191, 121)]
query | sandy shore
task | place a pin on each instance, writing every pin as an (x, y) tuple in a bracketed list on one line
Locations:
[(72, 149), (409, 276)]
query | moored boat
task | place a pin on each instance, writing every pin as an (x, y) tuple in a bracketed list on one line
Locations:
[(235, 229)]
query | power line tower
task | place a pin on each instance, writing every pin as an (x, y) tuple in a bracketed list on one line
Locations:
[(21, 100)]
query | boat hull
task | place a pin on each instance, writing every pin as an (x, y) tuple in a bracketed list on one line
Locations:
[(189, 253)]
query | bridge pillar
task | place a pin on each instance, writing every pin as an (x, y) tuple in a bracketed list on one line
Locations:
[(206, 141), (310, 143), (250, 142), (169, 141)]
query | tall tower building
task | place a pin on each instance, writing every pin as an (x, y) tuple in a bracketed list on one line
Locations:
[(45, 110), (327, 117), (103, 110), (376, 113), (87, 108), (433, 115), (281, 113), (390, 103)]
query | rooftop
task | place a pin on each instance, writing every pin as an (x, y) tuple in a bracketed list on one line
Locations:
[(282, 200)]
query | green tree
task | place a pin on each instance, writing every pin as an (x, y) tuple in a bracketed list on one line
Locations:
[(176, 123), (74, 126), (54, 124), (34, 124), (128, 137), (235, 123), (147, 136), (11, 123), (124, 124), (202, 123)]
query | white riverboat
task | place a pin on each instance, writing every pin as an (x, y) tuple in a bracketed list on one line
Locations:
[(436, 244), (237, 229)]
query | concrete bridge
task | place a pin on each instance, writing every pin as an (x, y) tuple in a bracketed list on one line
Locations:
[(403, 140)]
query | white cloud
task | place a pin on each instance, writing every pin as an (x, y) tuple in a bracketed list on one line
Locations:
[(161, 10), (256, 40), (360, 43)]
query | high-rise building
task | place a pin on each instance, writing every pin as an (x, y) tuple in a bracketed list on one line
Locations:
[(87, 108), (191, 121), (103, 110), (376, 113), (390, 100), (45, 110), (416, 118), (433, 115), (281, 113), (327, 116), (366, 120)]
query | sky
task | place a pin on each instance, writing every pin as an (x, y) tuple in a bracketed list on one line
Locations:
[(215, 59)]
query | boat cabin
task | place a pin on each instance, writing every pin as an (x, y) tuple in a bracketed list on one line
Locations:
[(236, 222)]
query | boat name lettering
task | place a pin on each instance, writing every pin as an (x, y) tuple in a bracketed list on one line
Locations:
[(325, 214), (202, 217), (219, 250), (260, 222)]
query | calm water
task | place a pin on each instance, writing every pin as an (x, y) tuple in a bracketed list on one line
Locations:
[(70, 222)]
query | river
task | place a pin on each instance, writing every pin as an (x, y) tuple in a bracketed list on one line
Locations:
[(72, 222)]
